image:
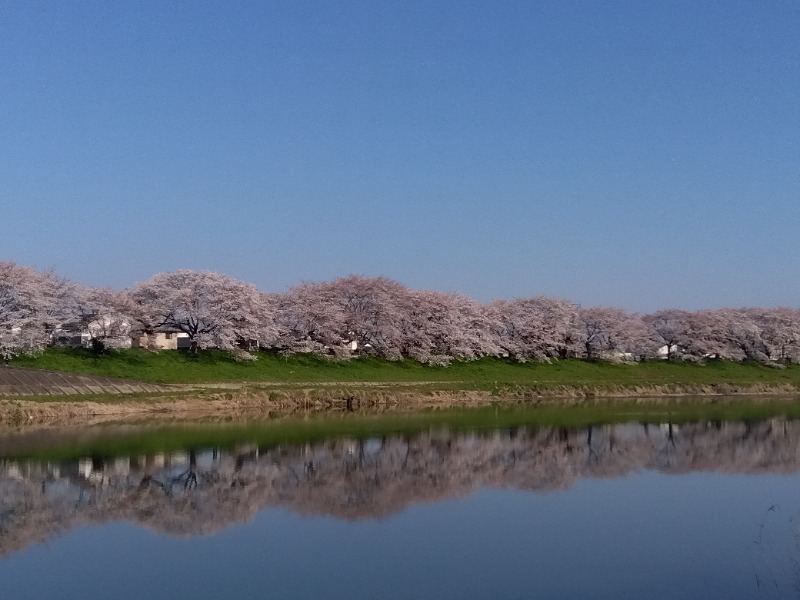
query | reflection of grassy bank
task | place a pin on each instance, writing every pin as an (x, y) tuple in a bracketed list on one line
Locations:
[(136, 440), (485, 374)]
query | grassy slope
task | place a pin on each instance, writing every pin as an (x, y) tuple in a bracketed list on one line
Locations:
[(484, 374)]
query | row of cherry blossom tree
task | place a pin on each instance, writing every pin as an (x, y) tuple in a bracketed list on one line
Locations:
[(377, 316)]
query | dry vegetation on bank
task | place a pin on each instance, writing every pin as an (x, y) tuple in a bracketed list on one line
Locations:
[(254, 402)]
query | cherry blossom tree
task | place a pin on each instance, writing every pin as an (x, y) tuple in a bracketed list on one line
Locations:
[(32, 305), (265, 311), (536, 328), (707, 335), (371, 309), (382, 317), (669, 328), (377, 316), (106, 315), (757, 334), (612, 333), (780, 332), (438, 327), (310, 319), (743, 334), (213, 309), (359, 309)]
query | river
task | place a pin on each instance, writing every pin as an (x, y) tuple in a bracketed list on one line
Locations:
[(404, 508)]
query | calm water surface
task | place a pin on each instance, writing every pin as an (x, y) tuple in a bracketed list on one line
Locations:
[(631, 510)]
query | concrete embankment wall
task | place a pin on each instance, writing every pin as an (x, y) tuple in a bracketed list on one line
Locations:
[(33, 382)]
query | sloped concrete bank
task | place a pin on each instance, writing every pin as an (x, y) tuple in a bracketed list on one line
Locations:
[(15, 381)]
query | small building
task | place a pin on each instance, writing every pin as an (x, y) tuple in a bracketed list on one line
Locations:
[(668, 351), (160, 340), (71, 339)]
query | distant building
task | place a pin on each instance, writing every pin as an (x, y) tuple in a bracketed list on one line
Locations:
[(160, 340)]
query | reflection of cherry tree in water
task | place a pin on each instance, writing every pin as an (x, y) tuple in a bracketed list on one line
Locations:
[(187, 478), (669, 449), (202, 490), (242, 458), (363, 472), (599, 449), (594, 449), (91, 489)]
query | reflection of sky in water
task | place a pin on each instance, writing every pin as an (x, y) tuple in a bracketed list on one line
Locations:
[(647, 535)]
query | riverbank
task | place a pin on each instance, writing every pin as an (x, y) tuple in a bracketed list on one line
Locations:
[(114, 387), (242, 402)]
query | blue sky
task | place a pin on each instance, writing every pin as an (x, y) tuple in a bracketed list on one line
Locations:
[(635, 154)]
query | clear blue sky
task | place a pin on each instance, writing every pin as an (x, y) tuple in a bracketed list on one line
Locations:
[(634, 154)]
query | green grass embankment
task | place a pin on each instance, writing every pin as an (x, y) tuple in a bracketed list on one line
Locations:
[(488, 374)]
